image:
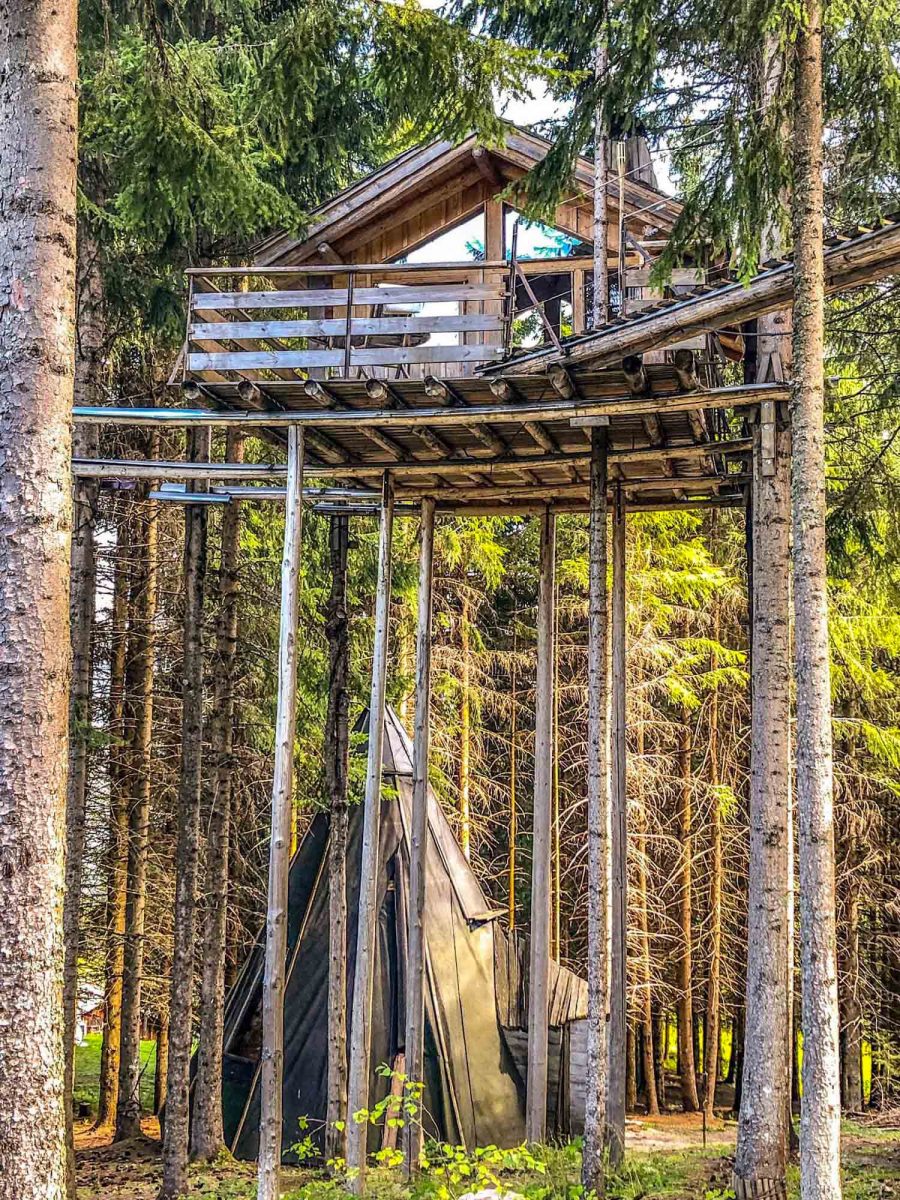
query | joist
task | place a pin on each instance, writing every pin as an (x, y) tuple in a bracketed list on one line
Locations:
[(273, 360), (323, 297)]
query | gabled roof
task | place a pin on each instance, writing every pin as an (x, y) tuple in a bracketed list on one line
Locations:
[(425, 170)]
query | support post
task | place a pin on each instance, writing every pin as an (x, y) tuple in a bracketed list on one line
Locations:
[(272, 1057), (361, 1023), (615, 1104), (415, 983), (539, 956), (598, 849)]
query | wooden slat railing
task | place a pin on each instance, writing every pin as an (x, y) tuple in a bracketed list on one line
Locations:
[(353, 330)]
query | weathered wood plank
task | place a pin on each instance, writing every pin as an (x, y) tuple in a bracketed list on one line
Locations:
[(322, 297), (259, 360), (337, 326)]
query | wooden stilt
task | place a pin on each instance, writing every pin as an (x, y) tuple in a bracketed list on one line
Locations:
[(415, 982), (361, 1023), (615, 1106), (598, 796), (272, 1058), (539, 962)]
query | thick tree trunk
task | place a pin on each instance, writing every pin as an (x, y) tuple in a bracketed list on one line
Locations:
[(599, 848), (187, 847), (38, 123), (713, 981), (686, 1064), (337, 763), (761, 1156), (207, 1133), (820, 1111), (138, 725), (116, 858)]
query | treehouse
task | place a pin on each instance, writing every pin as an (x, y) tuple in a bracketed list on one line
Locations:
[(384, 326)]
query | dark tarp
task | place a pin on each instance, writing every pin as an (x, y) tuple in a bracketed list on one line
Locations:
[(473, 1091)]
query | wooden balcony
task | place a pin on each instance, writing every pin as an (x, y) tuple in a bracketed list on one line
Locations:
[(361, 322)]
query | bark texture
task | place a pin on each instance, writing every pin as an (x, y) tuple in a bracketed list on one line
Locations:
[(116, 857), (38, 124), (820, 1111), (761, 1156), (82, 603), (599, 847), (207, 1133), (187, 847), (337, 763), (686, 1063), (713, 979), (138, 729)]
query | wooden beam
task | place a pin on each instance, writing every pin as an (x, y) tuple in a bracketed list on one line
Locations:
[(125, 468), (361, 1024), (337, 326), (544, 410), (863, 260), (615, 1107), (324, 297), (487, 168), (272, 1053), (378, 356), (418, 843), (539, 948)]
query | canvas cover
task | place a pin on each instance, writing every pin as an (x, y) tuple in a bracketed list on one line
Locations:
[(474, 1092)]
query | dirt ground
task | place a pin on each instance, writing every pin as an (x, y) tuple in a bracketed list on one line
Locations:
[(130, 1170)]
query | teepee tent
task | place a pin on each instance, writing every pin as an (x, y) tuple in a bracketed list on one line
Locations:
[(474, 1086)]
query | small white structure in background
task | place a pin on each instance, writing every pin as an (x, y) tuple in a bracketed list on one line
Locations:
[(88, 1011)]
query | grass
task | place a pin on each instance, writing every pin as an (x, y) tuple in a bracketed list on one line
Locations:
[(87, 1072)]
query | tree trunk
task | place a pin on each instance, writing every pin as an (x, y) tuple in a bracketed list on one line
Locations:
[(851, 1010), (271, 1079), (646, 997), (117, 848), (465, 729), (38, 124), (187, 847), (600, 310), (161, 1074), (539, 945), (820, 1111), (207, 1133), (88, 370), (711, 1028), (138, 727), (599, 848), (761, 1157), (337, 762), (686, 1065)]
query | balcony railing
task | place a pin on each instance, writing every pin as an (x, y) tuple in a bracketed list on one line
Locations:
[(347, 322)]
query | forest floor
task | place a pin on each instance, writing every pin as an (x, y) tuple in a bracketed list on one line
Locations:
[(666, 1160)]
